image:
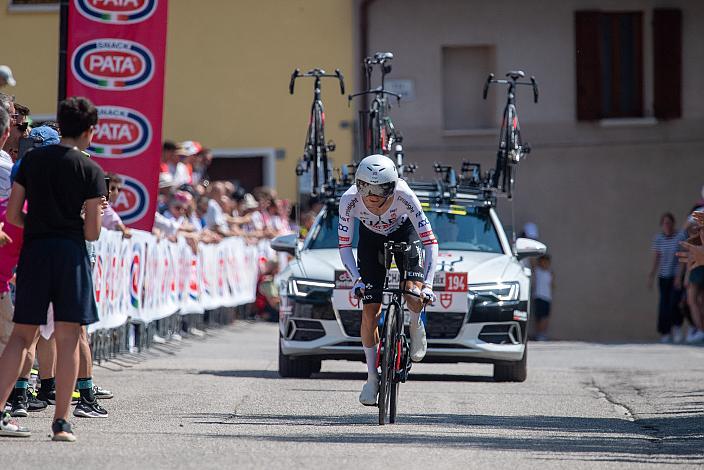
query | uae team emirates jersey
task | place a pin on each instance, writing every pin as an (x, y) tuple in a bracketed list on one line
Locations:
[(405, 206)]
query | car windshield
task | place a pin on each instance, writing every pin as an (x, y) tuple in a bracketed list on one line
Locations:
[(465, 229)]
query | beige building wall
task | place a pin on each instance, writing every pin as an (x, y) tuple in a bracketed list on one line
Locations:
[(595, 189), (228, 65)]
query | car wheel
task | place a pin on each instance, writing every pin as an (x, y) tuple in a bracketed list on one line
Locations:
[(506, 371), (290, 367)]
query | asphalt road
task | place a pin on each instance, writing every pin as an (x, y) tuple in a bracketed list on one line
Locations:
[(219, 403)]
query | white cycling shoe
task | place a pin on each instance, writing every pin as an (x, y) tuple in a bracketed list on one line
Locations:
[(419, 344), (369, 392)]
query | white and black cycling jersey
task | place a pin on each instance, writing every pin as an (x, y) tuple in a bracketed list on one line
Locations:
[(405, 206)]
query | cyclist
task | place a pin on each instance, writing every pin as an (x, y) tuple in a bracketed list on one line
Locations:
[(388, 210)]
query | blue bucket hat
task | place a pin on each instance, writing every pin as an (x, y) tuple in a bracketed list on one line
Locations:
[(44, 135)]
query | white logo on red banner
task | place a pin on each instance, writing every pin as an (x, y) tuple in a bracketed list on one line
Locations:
[(112, 64), (120, 133), (116, 11), (132, 202)]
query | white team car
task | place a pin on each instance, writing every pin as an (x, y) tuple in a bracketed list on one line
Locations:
[(481, 313)]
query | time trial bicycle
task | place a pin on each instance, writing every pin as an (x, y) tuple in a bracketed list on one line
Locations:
[(511, 148), (315, 152)]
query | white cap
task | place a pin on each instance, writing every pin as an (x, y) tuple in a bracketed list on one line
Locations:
[(6, 74)]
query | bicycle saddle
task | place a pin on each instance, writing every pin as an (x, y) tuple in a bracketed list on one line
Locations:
[(515, 74), (380, 56)]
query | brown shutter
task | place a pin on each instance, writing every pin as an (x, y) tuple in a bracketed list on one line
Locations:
[(588, 65), (667, 62)]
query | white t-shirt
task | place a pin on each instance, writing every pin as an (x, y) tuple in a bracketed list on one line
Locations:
[(405, 206), (6, 164), (543, 284)]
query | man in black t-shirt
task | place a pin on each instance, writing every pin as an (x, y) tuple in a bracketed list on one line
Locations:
[(64, 191)]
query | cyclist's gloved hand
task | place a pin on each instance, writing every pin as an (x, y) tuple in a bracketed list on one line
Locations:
[(358, 289), (427, 294)]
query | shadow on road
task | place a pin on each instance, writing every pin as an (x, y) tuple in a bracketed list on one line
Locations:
[(355, 376), (651, 440)]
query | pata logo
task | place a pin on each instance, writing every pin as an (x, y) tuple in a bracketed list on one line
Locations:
[(132, 202), (120, 133), (116, 11), (112, 64)]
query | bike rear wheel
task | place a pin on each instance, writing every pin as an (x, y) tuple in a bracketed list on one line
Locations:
[(388, 362)]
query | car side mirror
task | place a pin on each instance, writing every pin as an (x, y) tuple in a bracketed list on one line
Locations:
[(527, 248), (286, 243)]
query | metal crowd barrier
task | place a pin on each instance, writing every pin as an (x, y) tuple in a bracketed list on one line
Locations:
[(135, 337)]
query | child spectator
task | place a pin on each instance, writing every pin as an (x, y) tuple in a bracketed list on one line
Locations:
[(665, 264), (544, 281), (111, 220)]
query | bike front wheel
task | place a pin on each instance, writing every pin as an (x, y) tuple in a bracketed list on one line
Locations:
[(397, 347), (388, 363)]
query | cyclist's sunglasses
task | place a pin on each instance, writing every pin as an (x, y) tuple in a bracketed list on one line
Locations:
[(381, 190)]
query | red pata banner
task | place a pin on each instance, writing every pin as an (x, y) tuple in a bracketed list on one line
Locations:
[(115, 57)]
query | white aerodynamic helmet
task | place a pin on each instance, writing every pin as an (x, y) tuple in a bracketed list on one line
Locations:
[(376, 175)]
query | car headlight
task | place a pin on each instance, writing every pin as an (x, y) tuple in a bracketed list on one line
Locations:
[(502, 291), (305, 287)]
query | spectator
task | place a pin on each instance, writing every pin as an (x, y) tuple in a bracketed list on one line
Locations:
[(268, 300), (6, 77), (5, 275), (171, 165), (111, 220), (544, 284), (19, 129), (694, 277), (59, 184), (665, 266)]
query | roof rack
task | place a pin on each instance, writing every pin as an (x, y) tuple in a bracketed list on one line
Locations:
[(469, 188)]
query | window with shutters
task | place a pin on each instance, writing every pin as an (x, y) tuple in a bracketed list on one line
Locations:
[(609, 64)]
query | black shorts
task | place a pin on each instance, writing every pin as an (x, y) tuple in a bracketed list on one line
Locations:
[(370, 259), (56, 271), (696, 276), (542, 308)]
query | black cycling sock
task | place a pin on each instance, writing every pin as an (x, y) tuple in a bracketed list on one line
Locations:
[(85, 388), (48, 385)]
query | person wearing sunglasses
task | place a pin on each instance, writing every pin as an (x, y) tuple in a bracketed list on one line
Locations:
[(388, 210)]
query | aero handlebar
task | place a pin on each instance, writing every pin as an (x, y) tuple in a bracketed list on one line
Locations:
[(318, 74), (512, 80)]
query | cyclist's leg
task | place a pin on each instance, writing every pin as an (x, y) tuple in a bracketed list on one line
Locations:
[(373, 274)]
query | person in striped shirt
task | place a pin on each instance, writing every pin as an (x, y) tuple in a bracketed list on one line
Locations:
[(665, 266)]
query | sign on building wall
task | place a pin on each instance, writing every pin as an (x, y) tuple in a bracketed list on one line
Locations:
[(115, 53)]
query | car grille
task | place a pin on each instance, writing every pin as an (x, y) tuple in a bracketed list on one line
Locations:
[(307, 330), (438, 325), (507, 333), (443, 325)]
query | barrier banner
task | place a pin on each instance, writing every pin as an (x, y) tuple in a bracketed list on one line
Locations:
[(145, 279), (115, 53)]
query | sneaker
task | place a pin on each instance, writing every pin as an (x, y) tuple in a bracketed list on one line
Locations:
[(48, 397), (86, 409), (196, 332), (697, 337), (665, 339), (369, 392), (419, 344), (158, 339), (176, 337), (19, 405), (10, 428), (34, 403), (62, 431), (677, 334), (101, 393)]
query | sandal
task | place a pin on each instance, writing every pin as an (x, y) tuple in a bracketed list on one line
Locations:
[(62, 431)]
